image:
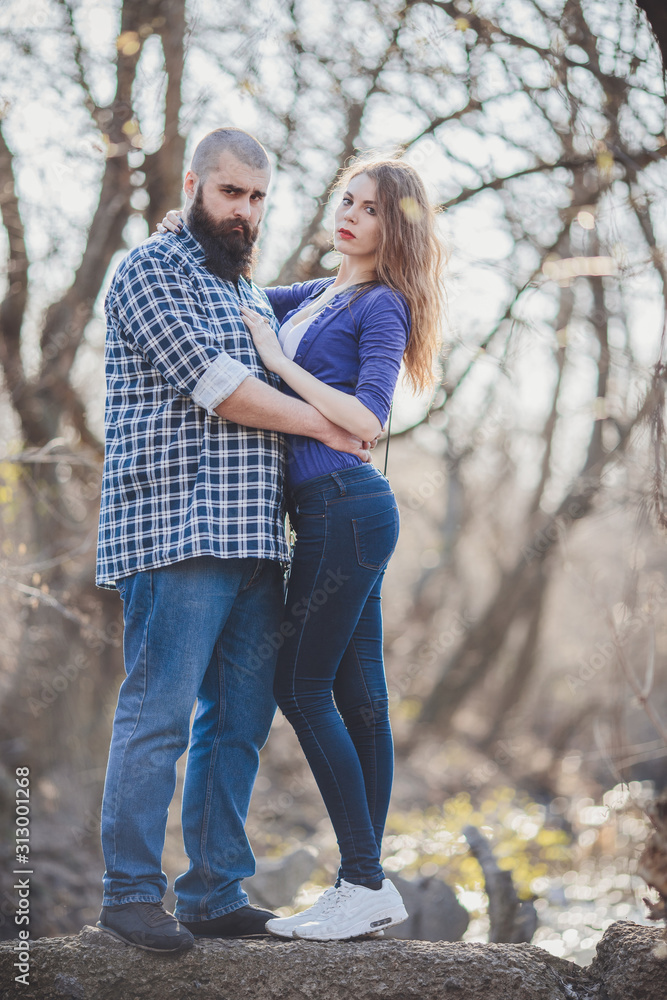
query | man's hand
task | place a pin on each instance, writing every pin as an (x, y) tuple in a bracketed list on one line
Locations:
[(255, 404), (341, 440)]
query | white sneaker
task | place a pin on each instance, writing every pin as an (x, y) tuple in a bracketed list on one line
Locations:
[(284, 926), (354, 911)]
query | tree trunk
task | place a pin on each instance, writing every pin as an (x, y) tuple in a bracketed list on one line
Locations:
[(55, 709)]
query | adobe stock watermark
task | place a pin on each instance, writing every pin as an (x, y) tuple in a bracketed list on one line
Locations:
[(279, 803), (546, 537), (62, 338), (504, 752), (23, 873), (89, 828), (52, 688), (301, 611), (587, 487), (496, 419), (431, 652), (431, 483), (590, 666)]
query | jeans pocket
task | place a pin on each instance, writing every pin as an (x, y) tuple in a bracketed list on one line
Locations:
[(375, 537), (310, 507)]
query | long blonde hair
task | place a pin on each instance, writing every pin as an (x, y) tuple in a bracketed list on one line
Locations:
[(409, 257)]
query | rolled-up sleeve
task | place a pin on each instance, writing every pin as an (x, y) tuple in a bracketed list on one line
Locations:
[(161, 318), (218, 382)]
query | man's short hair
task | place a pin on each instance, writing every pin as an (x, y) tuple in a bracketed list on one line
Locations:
[(243, 145)]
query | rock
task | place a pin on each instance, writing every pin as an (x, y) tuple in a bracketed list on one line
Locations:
[(652, 864), (277, 880), (95, 966), (628, 965), (435, 912)]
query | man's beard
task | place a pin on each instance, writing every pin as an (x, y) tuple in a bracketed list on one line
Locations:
[(229, 254)]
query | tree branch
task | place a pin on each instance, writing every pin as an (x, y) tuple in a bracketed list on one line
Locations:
[(313, 235), (12, 309), (66, 319), (503, 900), (476, 655), (164, 168)]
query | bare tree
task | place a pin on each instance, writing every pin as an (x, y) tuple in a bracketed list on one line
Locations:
[(54, 710), (547, 126)]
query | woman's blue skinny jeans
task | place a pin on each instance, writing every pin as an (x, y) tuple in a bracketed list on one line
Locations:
[(330, 680)]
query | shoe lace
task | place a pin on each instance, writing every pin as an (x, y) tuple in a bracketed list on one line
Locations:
[(153, 913), (326, 898), (337, 898), (317, 907)]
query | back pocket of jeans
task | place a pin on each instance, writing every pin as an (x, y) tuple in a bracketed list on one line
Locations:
[(375, 537)]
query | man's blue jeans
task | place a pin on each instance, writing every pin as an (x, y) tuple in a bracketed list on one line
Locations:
[(330, 680), (194, 631)]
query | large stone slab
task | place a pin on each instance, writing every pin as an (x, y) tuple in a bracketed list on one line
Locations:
[(94, 966)]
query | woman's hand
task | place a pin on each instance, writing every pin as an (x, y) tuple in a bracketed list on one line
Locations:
[(266, 342), (342, 410), (172, 222)]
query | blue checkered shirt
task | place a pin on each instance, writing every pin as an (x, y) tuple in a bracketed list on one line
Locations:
[(180, 481)]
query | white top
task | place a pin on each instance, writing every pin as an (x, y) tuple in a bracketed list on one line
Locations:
[(291, 334)]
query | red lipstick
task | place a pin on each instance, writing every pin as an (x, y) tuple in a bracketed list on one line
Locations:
[(346, 234)]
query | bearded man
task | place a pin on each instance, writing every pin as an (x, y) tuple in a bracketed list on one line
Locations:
[(192, 536)]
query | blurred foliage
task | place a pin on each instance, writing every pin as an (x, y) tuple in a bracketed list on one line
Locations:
[(524, 843)]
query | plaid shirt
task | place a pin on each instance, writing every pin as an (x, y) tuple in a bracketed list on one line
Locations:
[(180, 481)]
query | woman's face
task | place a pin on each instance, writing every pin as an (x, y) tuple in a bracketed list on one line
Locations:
[(356, 225)]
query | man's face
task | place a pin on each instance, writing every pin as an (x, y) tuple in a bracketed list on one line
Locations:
[(233, 190), (223, 212)]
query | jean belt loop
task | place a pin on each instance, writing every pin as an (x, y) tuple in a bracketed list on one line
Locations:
[(339, 481)]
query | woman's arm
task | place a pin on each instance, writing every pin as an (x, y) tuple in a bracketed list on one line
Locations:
[(339, 407), (255, 404)]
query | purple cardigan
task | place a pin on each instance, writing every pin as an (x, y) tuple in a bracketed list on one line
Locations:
[(355, 346)]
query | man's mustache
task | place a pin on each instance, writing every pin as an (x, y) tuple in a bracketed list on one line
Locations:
[(230, 227)]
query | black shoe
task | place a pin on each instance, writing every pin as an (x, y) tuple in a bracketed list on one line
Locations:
[(247, 921), (145, 925)]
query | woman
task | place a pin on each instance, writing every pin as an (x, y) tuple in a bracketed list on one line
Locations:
[(340, 347)]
